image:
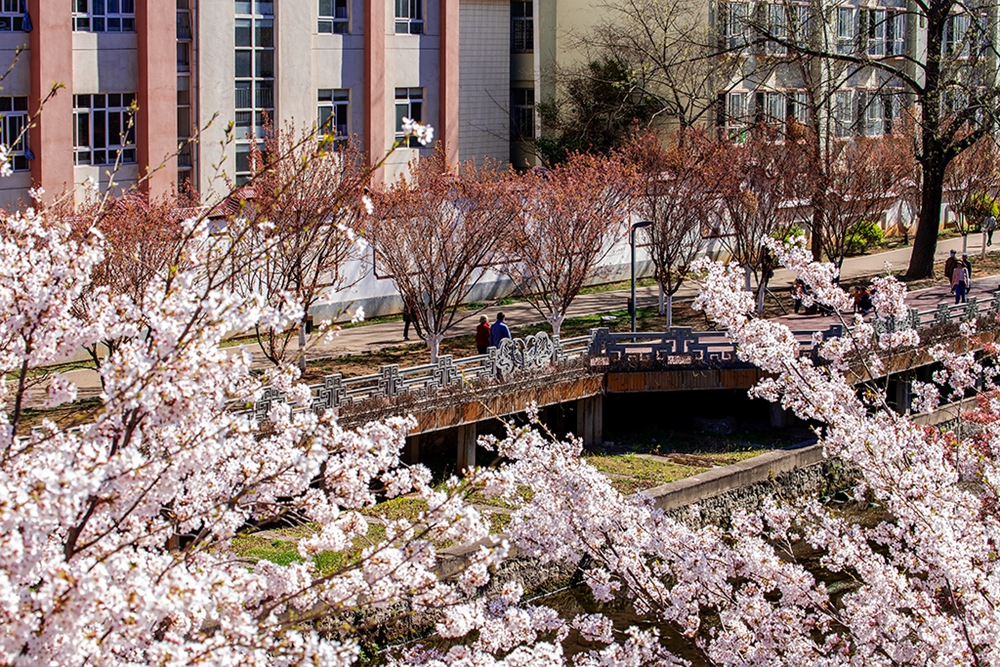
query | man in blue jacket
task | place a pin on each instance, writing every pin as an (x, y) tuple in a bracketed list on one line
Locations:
[(498, 331)]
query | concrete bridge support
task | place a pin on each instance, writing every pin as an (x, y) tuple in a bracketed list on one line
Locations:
[(466, 447), (590, 420), (411, 451)]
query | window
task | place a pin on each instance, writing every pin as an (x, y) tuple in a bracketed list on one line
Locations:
[(522, 114), (797, 107), (333, 16), (13, 130), (846, 32), (843, 113), (873, 30), (104, 15), (409, 17), (103, 128), (409, 104), (895, 33), (774, 107), (332, 111), (734, 18), (733, 113), (798, 24), (777, 26), (871, 111), (954, 35), (522, 27), (254, 85), (12, 15)]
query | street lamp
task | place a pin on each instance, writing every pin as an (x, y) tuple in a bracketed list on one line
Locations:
[(635, 226)]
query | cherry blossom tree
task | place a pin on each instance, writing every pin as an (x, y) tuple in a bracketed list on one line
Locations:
[(971, 181), (861, 184), (308, 189), (142, 239), (680, 191), (756, 202), (116, 540), (436, 232), (570, 217)]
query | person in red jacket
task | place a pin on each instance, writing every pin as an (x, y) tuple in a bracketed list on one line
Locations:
[(483, 335)]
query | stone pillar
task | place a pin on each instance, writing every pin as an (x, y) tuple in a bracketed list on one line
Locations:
[(780, 418), (902, 397), (411, 452), (466, 447), (590, 420)]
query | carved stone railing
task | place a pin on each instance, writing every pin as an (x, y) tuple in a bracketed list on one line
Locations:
[(536, 355)]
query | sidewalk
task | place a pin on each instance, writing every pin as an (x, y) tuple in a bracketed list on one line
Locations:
[(374, 337)]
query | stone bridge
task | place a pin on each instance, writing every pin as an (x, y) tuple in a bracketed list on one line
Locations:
[(456, 394)]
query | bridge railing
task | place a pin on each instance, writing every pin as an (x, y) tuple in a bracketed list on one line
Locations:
[(514, 357), (677, 347)]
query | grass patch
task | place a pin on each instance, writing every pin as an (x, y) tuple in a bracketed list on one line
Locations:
[(630, 473)]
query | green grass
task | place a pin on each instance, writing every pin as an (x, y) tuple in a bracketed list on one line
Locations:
[(630, 473)]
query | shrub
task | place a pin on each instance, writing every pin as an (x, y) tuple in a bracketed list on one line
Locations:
[(976, 207), (861, 236)]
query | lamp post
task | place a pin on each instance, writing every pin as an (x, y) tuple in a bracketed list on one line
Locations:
[(635, 226)]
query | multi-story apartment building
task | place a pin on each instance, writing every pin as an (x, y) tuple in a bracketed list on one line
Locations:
[(139, 78)]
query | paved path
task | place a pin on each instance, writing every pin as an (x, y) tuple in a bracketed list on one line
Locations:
[(390, 334)]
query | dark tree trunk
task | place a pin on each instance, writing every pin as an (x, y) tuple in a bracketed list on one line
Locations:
[(925, 240)]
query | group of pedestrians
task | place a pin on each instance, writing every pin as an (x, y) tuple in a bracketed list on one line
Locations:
[(958, 272), (490, 335), (487, 335)]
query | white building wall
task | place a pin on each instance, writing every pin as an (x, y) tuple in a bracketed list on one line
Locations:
[(484, 80)]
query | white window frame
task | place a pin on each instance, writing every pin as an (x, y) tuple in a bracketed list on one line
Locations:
[(254, 94), (895, 38), (522, 114), (775, 106), (334, 17), (874, 115), (875, 32), (956, 28), (777, 25), (14, 120), (738, 114), (843, 113), (847, 30), (94, 113), (12, 15), (104, 15), (800, 106), (522, 26), (334, 104), (735, 19), (409, 17), (409, 104), (799, 24)]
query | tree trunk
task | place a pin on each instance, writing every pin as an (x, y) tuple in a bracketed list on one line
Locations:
[(434, 345), (925, 240), (302, 347), (670, 311), (662, 305), (556, 321)]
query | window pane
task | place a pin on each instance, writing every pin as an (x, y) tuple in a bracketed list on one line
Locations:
[(265, 63), (114, 128), (265, 33), (326, 7), (243, 34), (100, 130), (243, 64)]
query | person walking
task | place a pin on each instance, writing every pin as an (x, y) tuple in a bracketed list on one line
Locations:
[(960, 283), (483, 335), (967, 263), (498, 331), (410, 317), (798, 291), (989, 226), (949, 267)]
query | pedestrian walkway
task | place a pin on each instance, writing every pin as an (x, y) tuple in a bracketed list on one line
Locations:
[(370, 338)]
